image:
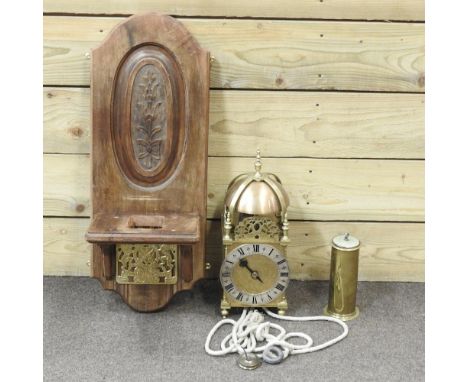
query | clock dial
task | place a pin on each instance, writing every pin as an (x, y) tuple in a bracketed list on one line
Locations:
[(254, 274)]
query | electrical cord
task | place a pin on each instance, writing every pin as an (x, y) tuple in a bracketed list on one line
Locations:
[(251, 334)]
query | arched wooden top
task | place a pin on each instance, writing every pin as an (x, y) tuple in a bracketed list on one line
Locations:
[(153, 27)]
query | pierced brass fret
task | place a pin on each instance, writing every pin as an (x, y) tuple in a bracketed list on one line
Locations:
[(146, 263)]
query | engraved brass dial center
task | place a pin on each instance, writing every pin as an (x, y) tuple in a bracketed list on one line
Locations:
[(258, 276)]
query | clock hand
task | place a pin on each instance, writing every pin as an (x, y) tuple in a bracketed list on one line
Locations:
[(257, 276), (243, 263)]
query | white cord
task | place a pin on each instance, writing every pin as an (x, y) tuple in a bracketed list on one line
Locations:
[(251, 330)]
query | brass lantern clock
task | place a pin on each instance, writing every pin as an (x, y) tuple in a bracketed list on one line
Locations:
[(255, 271)]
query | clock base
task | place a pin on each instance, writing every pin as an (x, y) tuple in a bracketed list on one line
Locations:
[(227, 303)]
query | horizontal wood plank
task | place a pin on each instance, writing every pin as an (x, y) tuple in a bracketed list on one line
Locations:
[(66, 120), (319, 189), (66, 252), (281, 124), (265, 54), (303, 9), (390, 251)]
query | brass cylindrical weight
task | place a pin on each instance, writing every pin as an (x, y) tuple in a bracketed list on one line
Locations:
[(343, 278)]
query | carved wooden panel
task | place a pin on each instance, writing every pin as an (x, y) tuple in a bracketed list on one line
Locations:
[(149, 117), (150, 97), (148, 120)]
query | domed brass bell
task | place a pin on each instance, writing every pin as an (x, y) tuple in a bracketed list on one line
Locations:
[(256, 194)]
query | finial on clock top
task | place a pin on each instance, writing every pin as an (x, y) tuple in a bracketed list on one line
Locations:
[(258, 165)]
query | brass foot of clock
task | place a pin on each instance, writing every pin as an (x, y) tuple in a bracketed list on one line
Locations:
[(225, 307), (282, 307), (255, 271)]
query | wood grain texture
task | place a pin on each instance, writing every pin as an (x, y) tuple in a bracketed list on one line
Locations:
[(281, 124), (390, 251), (265, 54), (66, 120), (319, 189), (336, 9), (65, 250), (67, 185)]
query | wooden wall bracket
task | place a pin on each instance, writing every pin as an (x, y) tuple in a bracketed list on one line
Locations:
[(150, 100)]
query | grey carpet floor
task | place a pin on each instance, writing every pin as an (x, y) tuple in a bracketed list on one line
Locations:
[(91, 335)]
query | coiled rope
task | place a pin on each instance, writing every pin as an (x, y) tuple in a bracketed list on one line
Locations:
[(252, 334)]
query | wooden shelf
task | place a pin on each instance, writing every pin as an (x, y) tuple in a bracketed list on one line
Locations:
[(159, 228)]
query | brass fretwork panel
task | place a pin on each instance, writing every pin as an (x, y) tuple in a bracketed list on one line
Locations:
[(146, 263), (256, 227)]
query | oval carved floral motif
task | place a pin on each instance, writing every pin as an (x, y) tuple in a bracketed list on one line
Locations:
[(149, 117), (148, 124)]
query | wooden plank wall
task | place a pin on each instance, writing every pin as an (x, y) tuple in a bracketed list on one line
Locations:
[(332, 92)]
